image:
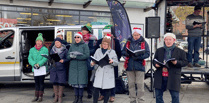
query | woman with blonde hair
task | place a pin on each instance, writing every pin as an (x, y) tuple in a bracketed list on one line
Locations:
[(104, 76)]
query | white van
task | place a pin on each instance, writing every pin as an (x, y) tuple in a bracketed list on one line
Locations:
[(16, 42)]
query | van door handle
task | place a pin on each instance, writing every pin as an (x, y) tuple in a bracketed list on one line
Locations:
[(9, 57)]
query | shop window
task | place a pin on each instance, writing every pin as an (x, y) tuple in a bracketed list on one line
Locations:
[(10, 19), (95, 13), (52, 19), (91, 19)]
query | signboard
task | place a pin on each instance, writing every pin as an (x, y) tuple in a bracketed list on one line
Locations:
[(120, 20), (69, 37)]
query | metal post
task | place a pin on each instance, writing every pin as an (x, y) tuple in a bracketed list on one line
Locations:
[(206, 54), (203, 32), (206, 40), (151, 87)]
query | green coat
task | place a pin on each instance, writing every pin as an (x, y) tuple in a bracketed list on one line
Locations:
[(36, 58), (78, 72)]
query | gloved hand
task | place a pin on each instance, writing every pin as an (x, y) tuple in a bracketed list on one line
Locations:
[(126, 54), (135, 57), (72, 56), (36, 66)]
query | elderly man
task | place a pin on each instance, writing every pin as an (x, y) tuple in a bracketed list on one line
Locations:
[(194, 33), (135, 65), (169, 76)]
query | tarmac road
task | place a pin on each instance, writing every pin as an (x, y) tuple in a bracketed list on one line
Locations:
[(24, 93)]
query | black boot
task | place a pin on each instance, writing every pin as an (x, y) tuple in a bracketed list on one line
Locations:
[(36, 96), (76, 99), (40, 99), (80, 99)]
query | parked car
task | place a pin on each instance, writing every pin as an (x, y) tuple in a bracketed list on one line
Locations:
[(184, 45)]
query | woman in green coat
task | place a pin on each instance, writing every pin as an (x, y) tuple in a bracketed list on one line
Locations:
[(37, 62), (78, 72)]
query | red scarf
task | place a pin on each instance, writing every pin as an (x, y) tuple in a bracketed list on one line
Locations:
[(38, 48), (127, 58), (86, 38)]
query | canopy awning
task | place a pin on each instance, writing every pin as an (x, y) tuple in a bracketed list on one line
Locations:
[(188, 2), (128, 3)]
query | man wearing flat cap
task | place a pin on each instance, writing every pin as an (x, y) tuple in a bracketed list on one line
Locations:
[(169, 76)]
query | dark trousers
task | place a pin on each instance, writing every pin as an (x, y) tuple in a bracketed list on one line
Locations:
[(112, 92), (159, 92), (96, 95), (78, 91), (159, 96), (90, 84), (193, 44), (39, 82)]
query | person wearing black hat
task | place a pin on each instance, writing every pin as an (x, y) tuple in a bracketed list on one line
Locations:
[(194, 27), (59, 35), (58, 73)]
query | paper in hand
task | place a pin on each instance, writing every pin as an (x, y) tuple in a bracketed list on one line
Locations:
[(40, 71), (76, 53)]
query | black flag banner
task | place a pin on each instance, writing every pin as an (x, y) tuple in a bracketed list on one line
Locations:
[(120, 20)]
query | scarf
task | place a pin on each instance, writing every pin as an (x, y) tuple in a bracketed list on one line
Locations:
[(38, 48), (88, 37), (58, 50), (136, 41), (104, 50), (168, 53)]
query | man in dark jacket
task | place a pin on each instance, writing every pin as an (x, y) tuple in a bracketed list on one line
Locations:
[(169, 76), (135, 64), (115, 45)]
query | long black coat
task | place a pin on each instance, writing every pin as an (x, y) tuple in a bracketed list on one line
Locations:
[(174, 76)]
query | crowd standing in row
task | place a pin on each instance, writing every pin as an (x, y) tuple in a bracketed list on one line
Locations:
[(78, 69)]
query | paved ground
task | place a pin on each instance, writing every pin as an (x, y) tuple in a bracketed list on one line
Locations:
[(24, 92)]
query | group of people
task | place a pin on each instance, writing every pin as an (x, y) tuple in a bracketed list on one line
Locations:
[(102, 86), (78, 69)]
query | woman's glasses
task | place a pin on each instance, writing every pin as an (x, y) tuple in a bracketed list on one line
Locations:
[(76, 37)]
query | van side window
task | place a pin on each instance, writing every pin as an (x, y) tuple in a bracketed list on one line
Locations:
[(6, 39)]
